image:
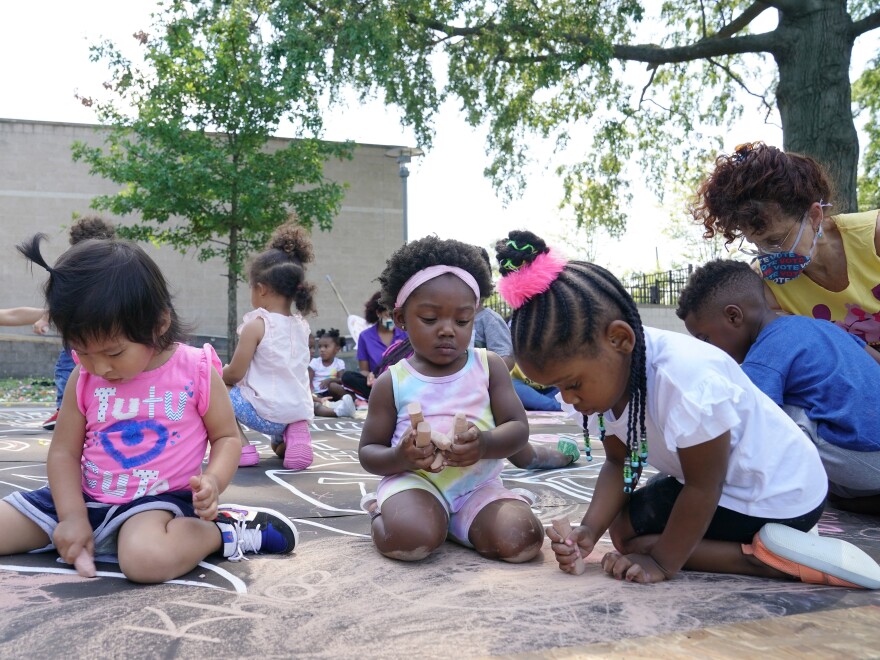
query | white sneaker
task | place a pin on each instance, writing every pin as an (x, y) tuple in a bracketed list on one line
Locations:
[(345, 407)]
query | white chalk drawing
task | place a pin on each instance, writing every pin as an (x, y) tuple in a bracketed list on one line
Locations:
[(231, 612)]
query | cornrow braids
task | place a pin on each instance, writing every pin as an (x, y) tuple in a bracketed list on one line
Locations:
[(568, 318)]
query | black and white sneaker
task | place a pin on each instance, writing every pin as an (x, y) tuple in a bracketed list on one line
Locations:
[(251, 529)]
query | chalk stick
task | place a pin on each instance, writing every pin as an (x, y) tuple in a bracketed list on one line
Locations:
[(563, 528), (84, 564), (438, 461), (441, 440)]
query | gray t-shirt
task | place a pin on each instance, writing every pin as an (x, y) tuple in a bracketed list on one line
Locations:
[(491, 332)]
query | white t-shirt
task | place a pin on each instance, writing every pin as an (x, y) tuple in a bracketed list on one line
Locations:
[(322, 371), (276, 383), (696, 392)]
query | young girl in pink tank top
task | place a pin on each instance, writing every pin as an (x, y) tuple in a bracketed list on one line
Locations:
[(138, 413)]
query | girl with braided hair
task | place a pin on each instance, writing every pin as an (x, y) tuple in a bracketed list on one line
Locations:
[(739, 485)]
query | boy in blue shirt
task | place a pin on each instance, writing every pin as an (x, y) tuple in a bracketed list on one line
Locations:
[(826, 379)]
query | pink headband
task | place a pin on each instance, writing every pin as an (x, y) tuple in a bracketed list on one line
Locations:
[(430, 273), (519, 286)]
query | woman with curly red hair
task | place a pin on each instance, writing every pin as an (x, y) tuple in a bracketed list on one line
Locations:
[(814, 263)]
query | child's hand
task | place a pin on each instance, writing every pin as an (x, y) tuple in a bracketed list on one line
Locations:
[(568, 550), (420, 458), (467, 448), (72, 538), (206, 495), (633, 568)]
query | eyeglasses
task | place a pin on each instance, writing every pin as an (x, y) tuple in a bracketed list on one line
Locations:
[(773, 248)]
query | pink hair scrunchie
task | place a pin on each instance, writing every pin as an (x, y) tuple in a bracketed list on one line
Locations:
[(519, 286)]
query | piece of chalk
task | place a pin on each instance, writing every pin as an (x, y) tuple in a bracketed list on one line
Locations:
[(438, 461), (84, 564)]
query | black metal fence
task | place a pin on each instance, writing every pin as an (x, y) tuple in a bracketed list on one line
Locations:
[(661, 288)]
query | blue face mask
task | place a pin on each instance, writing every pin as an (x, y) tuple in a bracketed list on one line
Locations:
[(388, 324), (782, 267)]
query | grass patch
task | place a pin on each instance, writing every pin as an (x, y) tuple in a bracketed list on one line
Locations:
[(27, 390)]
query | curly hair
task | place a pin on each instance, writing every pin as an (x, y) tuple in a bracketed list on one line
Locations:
[(753, 185), (373, 307), (432, 251), (280, 266), (91, 226), (721, 281)]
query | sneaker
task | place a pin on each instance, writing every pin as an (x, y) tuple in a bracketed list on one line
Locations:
[(568, 447), (345, 406), (49, 424), (298, 453), (249, 456), (814, 559), (251, 529), (370, 504)]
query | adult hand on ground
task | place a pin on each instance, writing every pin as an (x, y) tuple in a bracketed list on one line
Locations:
[(578, 544)]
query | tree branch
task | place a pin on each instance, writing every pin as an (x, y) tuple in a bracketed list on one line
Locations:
[(739, 81), (703, 49), (737, 24), (868, 23)]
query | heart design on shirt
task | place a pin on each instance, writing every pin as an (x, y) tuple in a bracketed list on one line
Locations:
[(133, 433)]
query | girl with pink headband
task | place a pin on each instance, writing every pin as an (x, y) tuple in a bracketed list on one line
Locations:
[(739, 485), (435, 287)]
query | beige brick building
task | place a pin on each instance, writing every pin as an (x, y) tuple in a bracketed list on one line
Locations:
[(41, 188)]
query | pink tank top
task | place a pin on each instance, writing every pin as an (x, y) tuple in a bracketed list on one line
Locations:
[(146, 436)]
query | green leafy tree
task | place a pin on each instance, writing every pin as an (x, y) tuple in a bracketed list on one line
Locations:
[(552, 69), (866, 94), (188, 132)]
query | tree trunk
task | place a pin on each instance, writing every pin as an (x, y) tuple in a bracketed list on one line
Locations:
[(813, 94), (231, 295)]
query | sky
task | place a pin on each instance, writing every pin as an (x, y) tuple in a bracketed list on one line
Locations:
[(44, 47)]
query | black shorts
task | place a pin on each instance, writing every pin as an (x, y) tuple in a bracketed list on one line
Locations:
[(651, 506)]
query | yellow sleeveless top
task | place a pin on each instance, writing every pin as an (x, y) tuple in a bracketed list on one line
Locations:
[(856, 309)]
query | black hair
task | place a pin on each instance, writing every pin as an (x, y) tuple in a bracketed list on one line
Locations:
[(333, 334), (373, 307), (280, 266), (90, 226), (102, 287), (432, 251), (568, 318), (722, 281)]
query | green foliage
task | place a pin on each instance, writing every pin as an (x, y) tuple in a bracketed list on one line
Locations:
[(554, 70), (866, 95), (188, 133)]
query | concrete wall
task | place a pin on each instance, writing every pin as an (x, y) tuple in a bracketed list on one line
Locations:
[(41, 188), (660, 316)]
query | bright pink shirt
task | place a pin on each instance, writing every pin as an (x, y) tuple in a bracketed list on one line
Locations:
[(146, 436)]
